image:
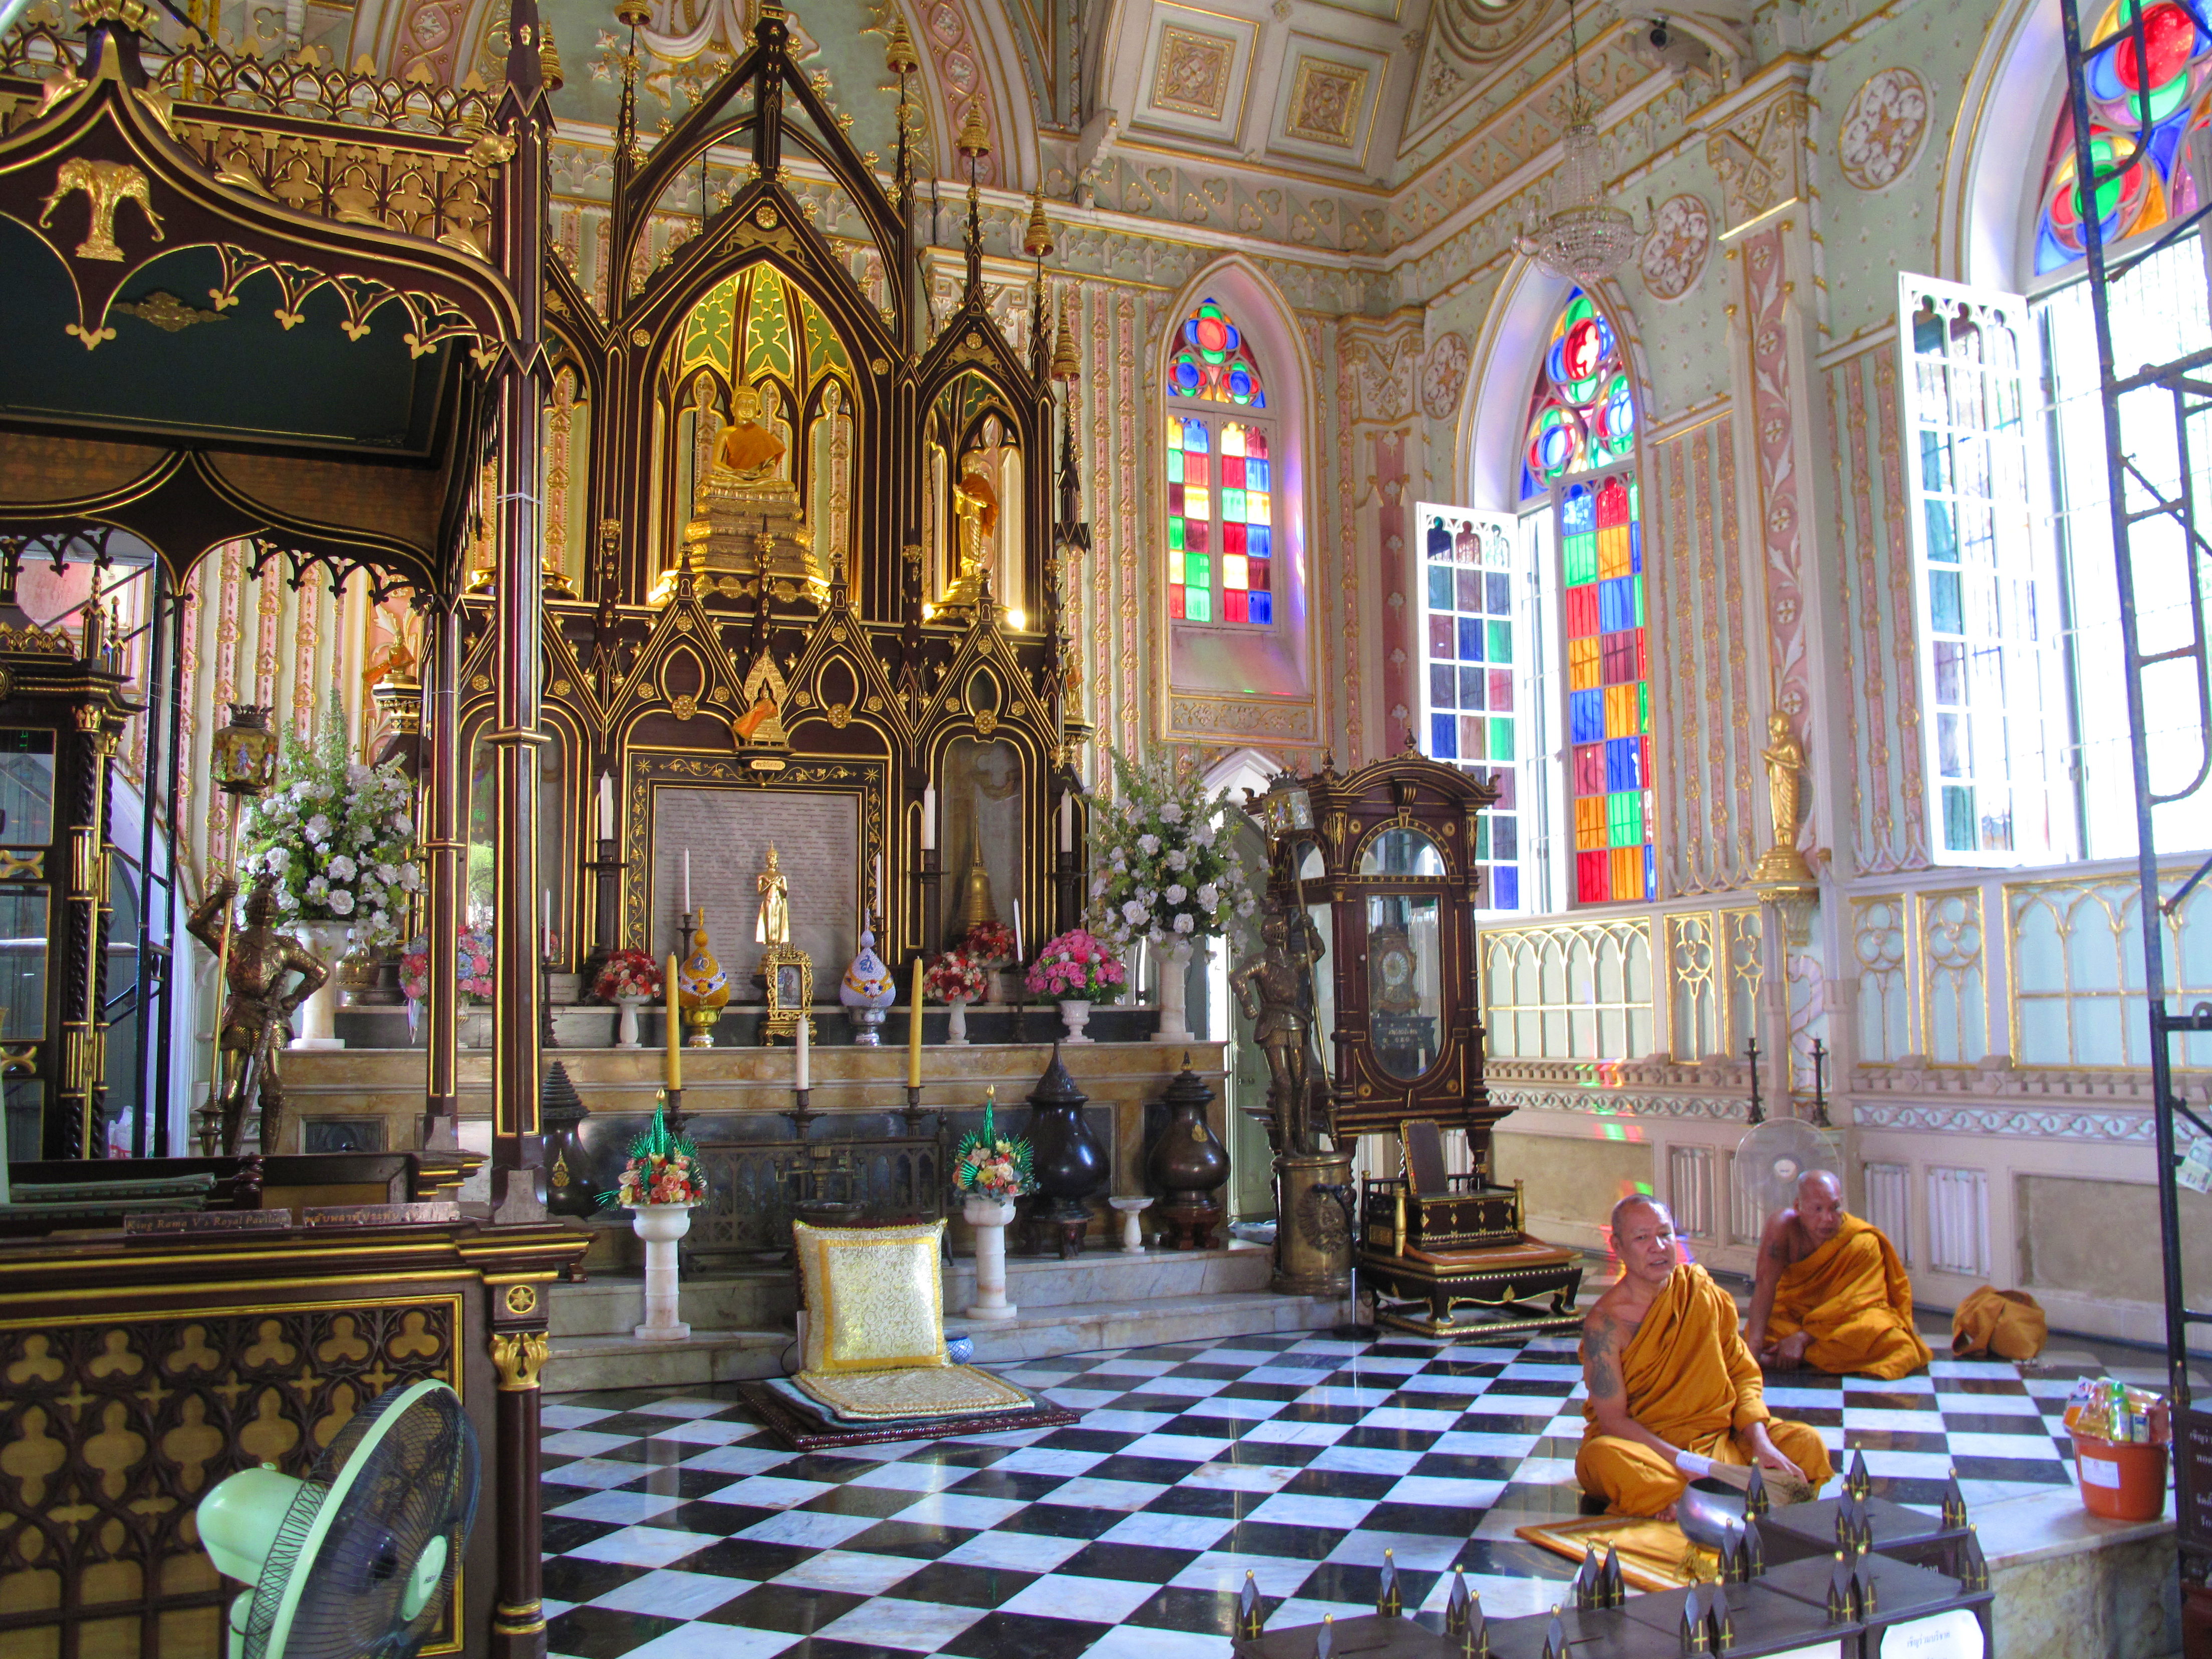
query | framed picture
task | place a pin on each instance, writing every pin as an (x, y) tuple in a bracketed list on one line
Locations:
[(788, 973)]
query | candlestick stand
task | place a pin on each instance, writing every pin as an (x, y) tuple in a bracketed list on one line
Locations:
[(606, 874), (545, 1038), (674, 1113), (1067, 891), (931, 877)]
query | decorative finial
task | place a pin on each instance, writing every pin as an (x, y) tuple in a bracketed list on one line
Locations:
[(975, 140), (1390, 1601), (633, 14), (1066, 361), (1251, 1619), (549, 56), (899, 56), (1038, 242)]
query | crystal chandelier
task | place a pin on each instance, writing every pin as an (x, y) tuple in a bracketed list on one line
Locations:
[(1583, 239)]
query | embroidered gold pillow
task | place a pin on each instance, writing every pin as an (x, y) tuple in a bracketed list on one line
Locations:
[(875, 1300)]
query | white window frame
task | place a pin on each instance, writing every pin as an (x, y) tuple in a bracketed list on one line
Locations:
[(1532, 773), (2012, 734)]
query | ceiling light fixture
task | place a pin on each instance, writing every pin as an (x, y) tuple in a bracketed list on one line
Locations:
[(1583, 238)]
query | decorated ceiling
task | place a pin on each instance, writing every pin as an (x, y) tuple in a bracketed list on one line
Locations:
[(1360, 126)]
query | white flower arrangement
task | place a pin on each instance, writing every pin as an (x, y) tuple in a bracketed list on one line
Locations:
[(338, 838), (1162, 870)]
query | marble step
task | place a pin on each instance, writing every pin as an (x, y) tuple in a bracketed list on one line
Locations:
[(620, 1361), (612, 1304)]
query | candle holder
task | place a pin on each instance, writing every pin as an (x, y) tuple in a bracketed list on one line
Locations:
[(546, 1039), (702, 1022), (674, 1112), (606, 880), (931, 877)]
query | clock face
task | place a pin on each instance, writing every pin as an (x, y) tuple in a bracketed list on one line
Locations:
[(1397, 968)]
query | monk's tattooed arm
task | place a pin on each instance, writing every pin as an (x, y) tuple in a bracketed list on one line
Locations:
[(1600, 1368)]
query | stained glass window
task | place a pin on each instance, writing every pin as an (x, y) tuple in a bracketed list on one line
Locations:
[(2167, 90), (1213, 363), (1220, 479), (1582, 415), (1470, 652), (1609, 782)]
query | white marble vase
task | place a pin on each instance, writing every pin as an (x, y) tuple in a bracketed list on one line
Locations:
[(989, 1216), (314, 1017), (956, 1028), (1175, 994), (660, 1225), (626, 1021), (1075, 1014)]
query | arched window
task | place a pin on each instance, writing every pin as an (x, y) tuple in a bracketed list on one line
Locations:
[(1579, 448), (2168, 91), (1221, 485)]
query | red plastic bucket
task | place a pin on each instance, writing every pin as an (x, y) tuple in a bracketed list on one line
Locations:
[(2120, 1480)]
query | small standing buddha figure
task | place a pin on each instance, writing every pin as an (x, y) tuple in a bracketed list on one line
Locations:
[(976, 506), (774, 927)]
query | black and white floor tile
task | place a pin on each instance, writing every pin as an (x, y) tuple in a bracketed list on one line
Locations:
[(675, 1528)]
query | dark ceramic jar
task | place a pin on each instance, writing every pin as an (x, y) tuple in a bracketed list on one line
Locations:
[(1189, 1164), (1071, 1165)]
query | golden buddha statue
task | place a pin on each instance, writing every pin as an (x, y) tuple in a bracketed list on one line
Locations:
[(975, 506), (748, 453)]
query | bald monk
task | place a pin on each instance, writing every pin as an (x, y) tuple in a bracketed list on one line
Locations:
[(1831, 1292), (1674, 1395)]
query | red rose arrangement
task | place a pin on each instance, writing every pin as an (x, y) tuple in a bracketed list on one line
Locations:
[(989, 943), (629, 974), (954, 975)]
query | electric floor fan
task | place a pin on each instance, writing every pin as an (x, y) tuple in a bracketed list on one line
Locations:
[(357, 1560)]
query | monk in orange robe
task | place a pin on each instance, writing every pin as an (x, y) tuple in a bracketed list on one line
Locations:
[(1831, 1292), (1674, 1395)]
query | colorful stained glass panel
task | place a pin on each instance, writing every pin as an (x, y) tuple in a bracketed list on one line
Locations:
[(1211, 361), (1609, 690), (1468, 567)]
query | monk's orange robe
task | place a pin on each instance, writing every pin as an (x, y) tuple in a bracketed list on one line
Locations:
[(1690, 1381), (1852, 1295)]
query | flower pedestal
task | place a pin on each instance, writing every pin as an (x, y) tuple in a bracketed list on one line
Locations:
[(989, 1216), (660, 1225), (1075, 1014), (1175, 994), (327, 940), (1133, 1235), (626, 1021), (956, 1029)]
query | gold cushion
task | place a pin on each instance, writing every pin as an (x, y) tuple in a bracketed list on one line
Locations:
[(916, 1391), (874, 1299)]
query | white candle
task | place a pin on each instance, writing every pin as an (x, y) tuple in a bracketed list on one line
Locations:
[(929, 817), (1067, 823), (547, 949), (606, 806), (801, 1028), (879, 885), (687, 881), (1017, 930)]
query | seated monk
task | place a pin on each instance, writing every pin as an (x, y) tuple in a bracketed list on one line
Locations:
[(1831, 1292), (748, 451), (1674, 1395)]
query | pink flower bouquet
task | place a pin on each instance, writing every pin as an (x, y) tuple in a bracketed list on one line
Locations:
[(472, 966), (1077, 967)]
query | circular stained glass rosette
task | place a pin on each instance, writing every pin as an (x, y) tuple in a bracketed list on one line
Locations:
[(1213, 363), (1583, 415), (2167, 83)]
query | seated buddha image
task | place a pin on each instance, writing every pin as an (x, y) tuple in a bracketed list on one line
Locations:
[(748, 453)]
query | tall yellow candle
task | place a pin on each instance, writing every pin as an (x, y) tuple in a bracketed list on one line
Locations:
[(914, 1033), (673, 1074)]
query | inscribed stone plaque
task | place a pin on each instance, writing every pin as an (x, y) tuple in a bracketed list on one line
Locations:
[(728, 832)]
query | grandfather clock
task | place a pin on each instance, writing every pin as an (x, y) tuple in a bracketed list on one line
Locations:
[(1385, 862), (62, 709)]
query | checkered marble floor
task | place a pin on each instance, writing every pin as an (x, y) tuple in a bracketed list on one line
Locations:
[(674, 1526)]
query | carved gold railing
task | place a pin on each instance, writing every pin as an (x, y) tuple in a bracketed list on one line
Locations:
[(330, 143)]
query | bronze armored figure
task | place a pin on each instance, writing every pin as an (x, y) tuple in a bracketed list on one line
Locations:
[(257, 1010), (1275, 992)]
